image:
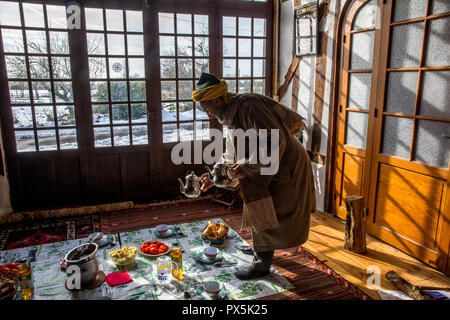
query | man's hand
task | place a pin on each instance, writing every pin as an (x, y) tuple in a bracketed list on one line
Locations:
[(240, 174), (206, 182)]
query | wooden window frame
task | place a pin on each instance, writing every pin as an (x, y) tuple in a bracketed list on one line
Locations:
[(111, 125), (29, 80), (252, 58), (420, 70), (194, 78), (218, 8)]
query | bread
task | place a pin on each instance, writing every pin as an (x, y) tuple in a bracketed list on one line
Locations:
[(214, 231)]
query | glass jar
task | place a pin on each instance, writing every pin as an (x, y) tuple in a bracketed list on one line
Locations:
[(26, 281), (177, 261), (163, 268)]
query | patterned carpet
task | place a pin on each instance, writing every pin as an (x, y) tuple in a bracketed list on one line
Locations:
[(20, 235)]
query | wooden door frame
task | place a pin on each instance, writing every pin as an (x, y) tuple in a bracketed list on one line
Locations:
[(442, 238), (341, 50), (337, 62)]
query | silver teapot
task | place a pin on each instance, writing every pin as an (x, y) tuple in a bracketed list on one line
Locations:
[(192, 189), (222, 175)]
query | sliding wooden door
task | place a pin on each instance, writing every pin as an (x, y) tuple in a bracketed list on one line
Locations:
[(409, 196), (393, 123)]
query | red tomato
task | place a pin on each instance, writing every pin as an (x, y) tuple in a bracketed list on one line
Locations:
[(6, 269), (148, 250), (143, 248), (147, 243), (16, 265), (154, 246), (158, 243), (162, 249), (154, 251), (15, 271)]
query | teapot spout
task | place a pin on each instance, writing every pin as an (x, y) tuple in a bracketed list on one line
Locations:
[(182, 187), (209, 171)]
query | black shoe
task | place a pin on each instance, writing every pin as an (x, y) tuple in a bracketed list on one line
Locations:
[(250, 273)]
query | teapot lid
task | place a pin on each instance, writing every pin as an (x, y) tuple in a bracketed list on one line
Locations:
[(191, 174)]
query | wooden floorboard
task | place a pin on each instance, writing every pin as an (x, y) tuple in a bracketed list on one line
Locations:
[(326, 242)]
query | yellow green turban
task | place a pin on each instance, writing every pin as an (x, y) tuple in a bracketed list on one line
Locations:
[(209, 87)]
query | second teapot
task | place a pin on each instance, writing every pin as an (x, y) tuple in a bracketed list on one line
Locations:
[(222, 175)]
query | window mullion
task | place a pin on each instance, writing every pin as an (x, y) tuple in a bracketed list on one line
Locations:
[(27, 64)]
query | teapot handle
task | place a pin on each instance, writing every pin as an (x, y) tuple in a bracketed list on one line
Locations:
[(209, 175), (182, 188)]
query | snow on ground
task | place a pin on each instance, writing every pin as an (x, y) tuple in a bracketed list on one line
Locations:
[(68, 137)]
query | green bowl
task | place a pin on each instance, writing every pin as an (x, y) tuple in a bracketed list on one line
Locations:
[(216, 241)]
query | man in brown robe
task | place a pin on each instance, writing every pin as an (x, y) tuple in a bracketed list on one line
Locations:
[(277, 207)]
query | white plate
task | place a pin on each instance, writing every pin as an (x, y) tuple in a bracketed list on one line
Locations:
[(155, 255), (170, 232), (207, 260)]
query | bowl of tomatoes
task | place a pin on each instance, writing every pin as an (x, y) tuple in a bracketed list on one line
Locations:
[(10, 267), (153, 248)]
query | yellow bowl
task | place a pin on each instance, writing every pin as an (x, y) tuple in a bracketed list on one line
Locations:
[(124, 260)]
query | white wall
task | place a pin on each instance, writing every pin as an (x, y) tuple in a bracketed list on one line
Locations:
[(286, 45), (5, 203), (306, 84)]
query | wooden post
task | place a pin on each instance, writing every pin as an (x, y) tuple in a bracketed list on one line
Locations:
[(355, 228)]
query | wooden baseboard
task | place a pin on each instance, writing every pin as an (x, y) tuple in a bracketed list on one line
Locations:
[(64, 212)]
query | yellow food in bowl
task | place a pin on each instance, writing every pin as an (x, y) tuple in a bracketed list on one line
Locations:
[(214, 231), (124, 255)]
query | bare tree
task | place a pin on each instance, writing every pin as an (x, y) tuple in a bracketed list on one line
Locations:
[(60, 65)]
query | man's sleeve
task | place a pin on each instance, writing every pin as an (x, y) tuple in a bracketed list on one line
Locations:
[(228, 157)]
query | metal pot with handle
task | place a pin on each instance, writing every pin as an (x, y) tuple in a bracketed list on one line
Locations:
[(87, 262)]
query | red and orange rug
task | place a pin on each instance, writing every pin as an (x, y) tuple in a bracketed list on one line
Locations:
[(34, 232)]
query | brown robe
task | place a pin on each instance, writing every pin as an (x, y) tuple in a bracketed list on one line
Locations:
[(289, 194)]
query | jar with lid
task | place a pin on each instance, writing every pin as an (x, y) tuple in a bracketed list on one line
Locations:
[(25, 279)]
